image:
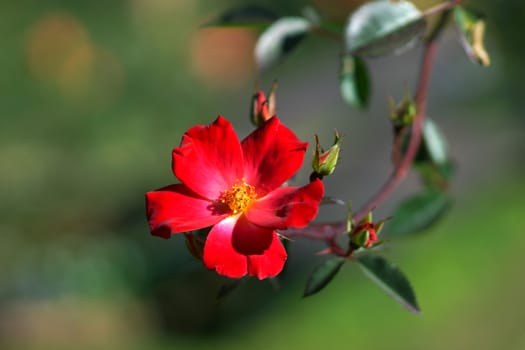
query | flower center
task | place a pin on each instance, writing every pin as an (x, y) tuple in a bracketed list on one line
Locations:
[(239, 197)]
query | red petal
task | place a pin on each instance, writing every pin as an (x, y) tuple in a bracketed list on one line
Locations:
[(270, 263), (287, 206), (175, 209), (249, 239), (272, 154), (219, 253), (209, 158)]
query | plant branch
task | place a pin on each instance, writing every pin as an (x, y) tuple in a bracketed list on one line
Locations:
[(318, 231), (327, 232), (421, 106), (415, 139)]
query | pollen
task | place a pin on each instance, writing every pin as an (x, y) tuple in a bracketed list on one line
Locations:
[(239, 197)]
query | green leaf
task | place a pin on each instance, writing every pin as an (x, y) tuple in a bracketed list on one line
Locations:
[(322, 275), (433, 148), (279, 39), (382, 27), (472, 27), (250, 16), (432, 160), (389, 278), (418, 213), (436, 175), (355, 85)]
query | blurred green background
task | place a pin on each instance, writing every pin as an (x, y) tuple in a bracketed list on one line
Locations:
[(95, 94)]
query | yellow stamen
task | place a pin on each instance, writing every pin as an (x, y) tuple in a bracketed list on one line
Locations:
[(239, 197)]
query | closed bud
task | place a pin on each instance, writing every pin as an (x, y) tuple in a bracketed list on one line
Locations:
[(324, 162), (260, 112), (364, 235), (263, 108), (404, 112)]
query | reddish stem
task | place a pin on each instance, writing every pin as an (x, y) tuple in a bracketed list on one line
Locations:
[(317, 231), (327, 232), (402, 169), (322, 232)]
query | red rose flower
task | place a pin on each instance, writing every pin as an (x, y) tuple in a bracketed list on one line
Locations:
[(236, 187)]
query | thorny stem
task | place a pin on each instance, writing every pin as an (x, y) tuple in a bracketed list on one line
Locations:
[(322, 232), (421, 103), (404, 166), (328, 232)]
